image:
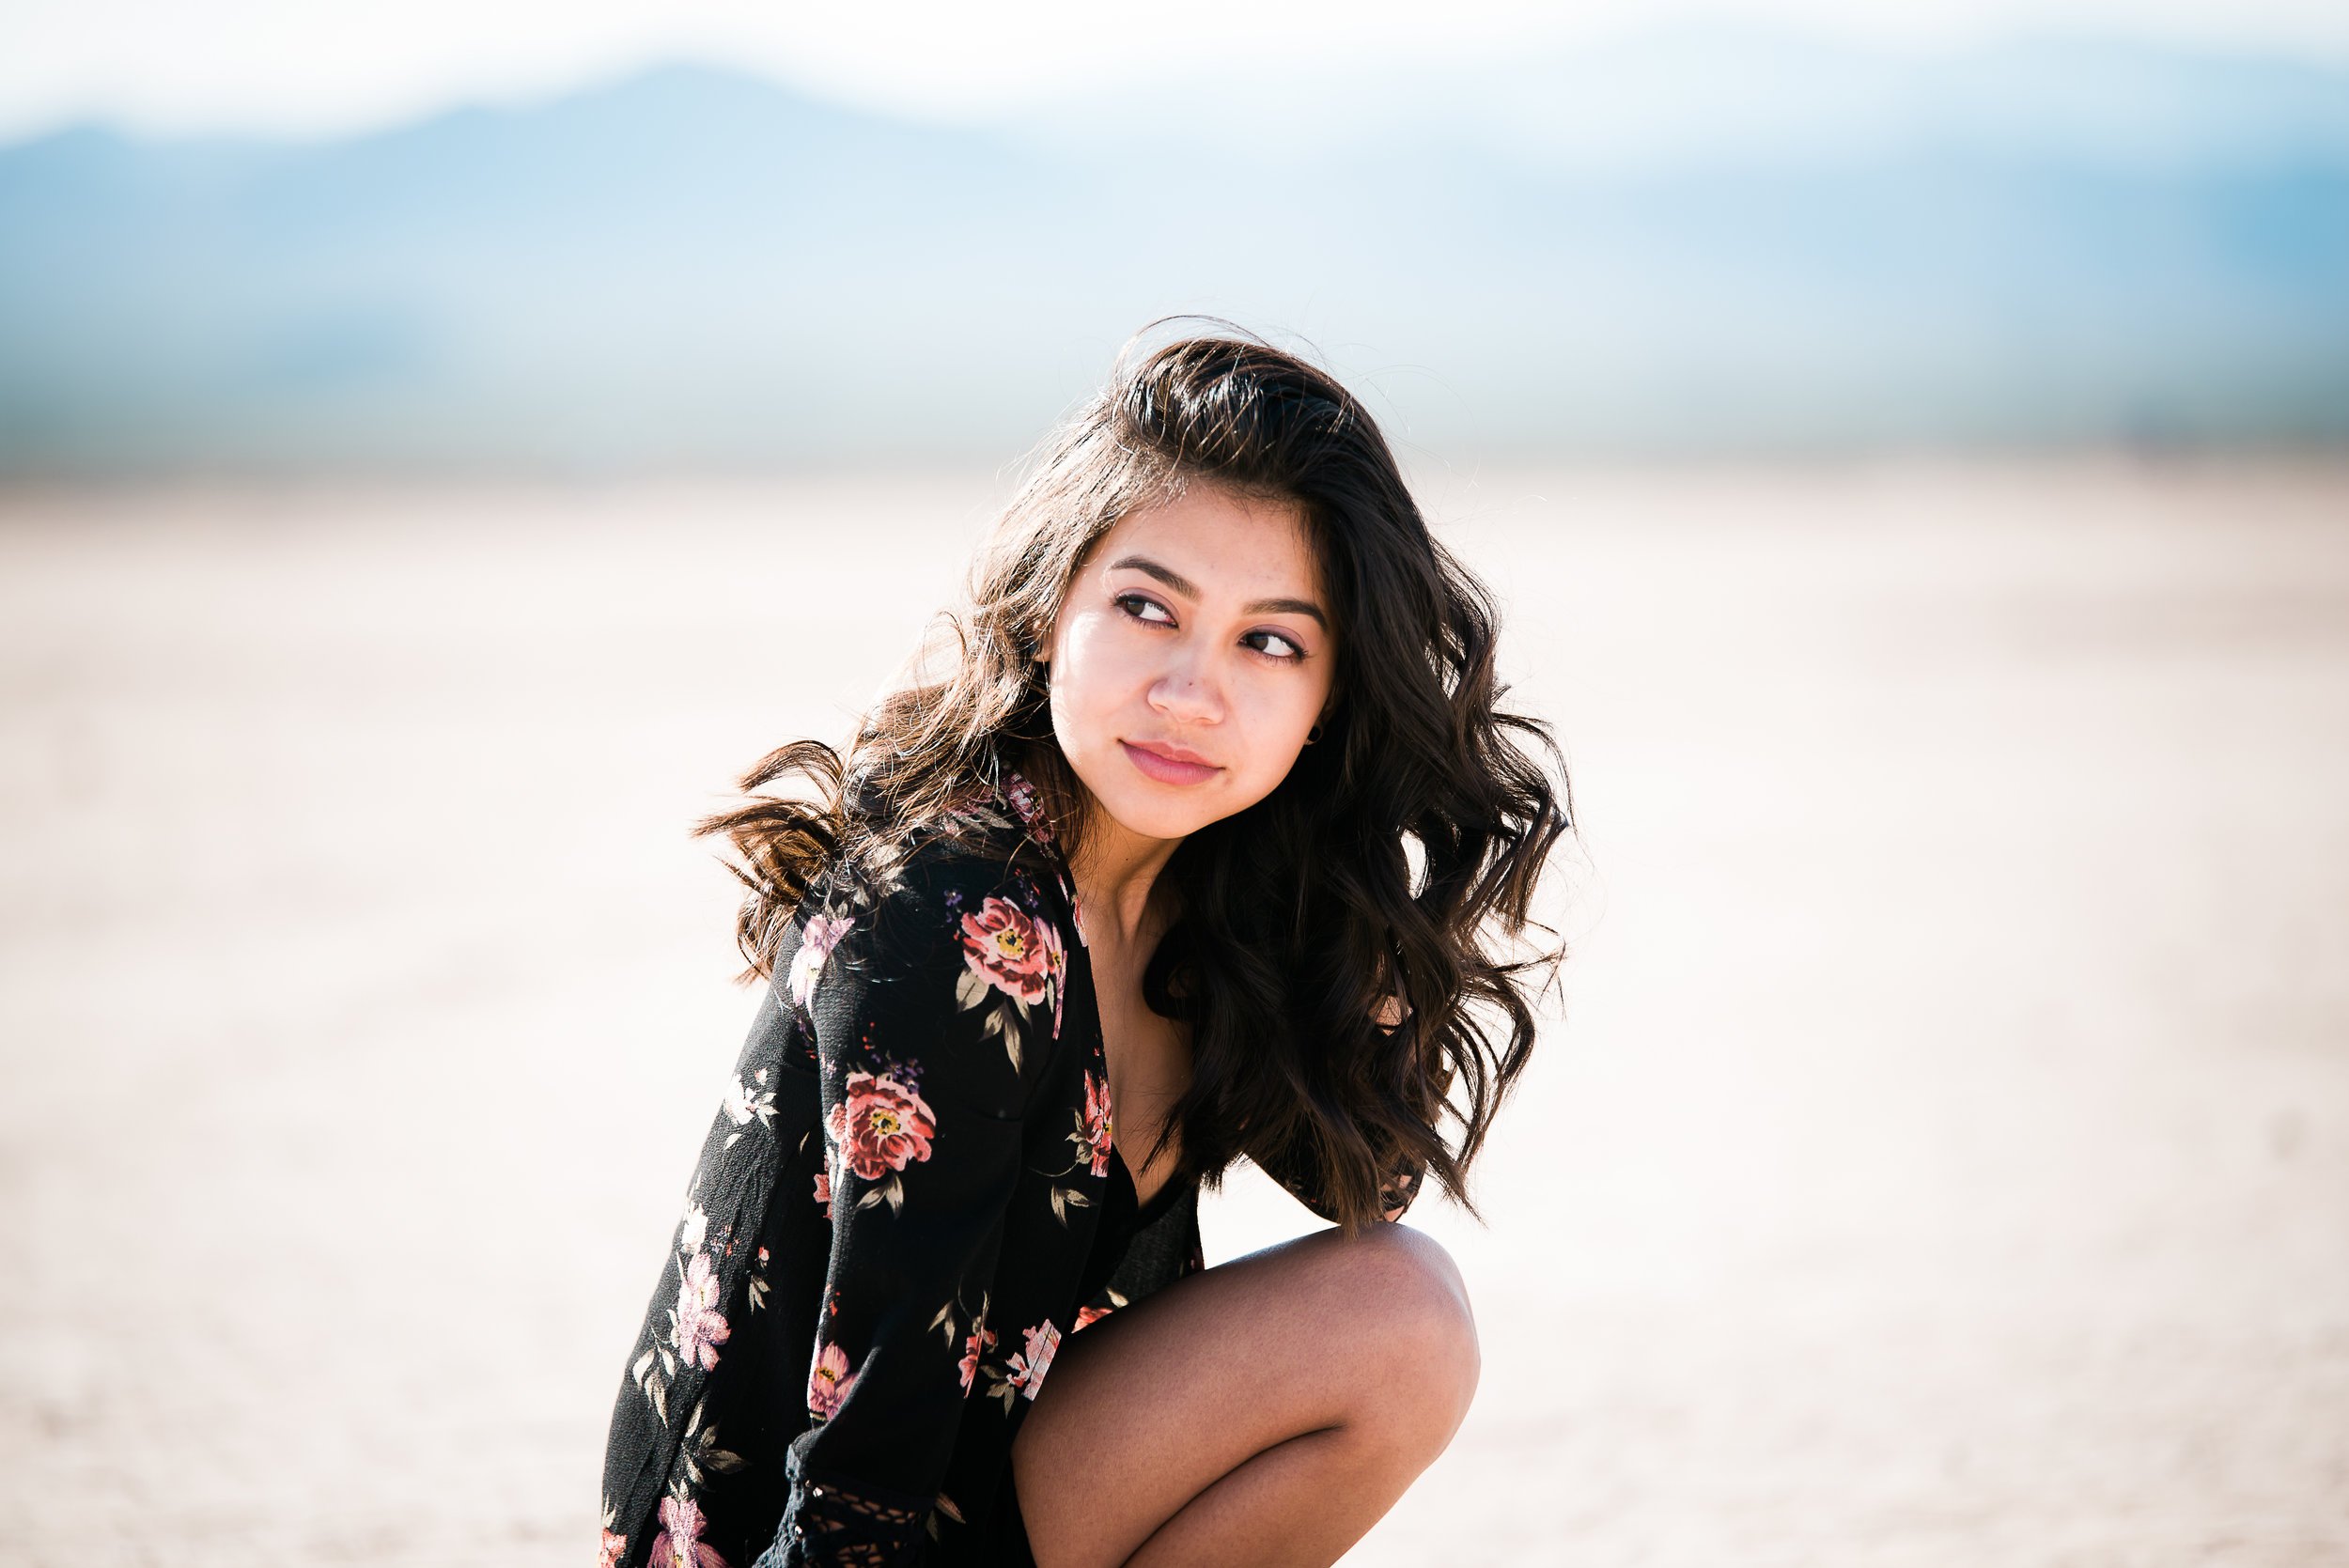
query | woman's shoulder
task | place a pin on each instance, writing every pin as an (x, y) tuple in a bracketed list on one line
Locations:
[(985, 844), (947, 868), (944, 947)]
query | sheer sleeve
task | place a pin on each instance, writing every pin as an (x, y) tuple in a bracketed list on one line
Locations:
[(921, 1001)]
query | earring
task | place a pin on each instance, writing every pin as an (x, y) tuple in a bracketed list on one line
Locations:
[(1313, 735)]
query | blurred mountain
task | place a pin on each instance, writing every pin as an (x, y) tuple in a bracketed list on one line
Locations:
[(1696, 241)]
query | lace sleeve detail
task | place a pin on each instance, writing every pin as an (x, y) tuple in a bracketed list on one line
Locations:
[(828, 1524)]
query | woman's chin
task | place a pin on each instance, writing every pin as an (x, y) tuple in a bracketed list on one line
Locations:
[(1149, 813)]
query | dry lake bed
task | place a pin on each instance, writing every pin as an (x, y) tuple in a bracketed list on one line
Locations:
[(1938, 1156)]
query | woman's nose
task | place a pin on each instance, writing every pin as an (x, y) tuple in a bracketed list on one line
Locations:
[(1188, 688)]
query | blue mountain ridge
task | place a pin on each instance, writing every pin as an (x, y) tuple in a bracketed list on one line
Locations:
[(1699, 243)]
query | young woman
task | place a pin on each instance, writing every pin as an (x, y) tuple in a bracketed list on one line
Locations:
[(1193, 853)]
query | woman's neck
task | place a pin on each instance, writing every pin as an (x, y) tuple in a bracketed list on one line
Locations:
[(1117, 872)]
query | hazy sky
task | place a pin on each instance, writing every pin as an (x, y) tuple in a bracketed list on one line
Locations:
[(278, 65)]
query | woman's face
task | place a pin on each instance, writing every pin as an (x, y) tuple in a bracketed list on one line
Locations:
[(1189, 659)]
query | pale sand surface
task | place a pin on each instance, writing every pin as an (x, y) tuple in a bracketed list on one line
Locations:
[(1944, 1160)]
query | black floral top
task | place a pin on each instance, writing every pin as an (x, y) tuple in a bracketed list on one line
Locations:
[(903, 1205)]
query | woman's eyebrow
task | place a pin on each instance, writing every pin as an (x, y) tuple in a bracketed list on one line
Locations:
[(1189, 589)]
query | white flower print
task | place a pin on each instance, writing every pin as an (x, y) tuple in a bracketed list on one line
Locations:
[(697, 1327), (744, 1101), (1028, 1369)]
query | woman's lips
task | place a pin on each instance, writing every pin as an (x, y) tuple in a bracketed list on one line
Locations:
[(1166, 769)]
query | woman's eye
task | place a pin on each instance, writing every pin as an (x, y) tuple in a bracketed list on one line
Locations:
[(1145, 604), (1290, 650)]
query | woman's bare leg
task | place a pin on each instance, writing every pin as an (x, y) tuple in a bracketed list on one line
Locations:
[(1260, 1414)]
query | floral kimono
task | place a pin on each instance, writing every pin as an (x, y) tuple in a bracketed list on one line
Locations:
[(907, 1199)]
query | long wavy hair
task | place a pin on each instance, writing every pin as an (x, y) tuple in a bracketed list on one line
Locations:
[(1385, 876)]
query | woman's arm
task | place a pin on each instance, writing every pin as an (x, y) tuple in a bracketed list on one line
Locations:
[(921, 1103)]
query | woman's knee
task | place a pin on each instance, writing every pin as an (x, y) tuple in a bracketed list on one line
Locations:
[(1416, 1317)]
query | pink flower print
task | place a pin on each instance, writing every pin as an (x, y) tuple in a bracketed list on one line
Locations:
[(980, 1341), (608, 1552), (828, 1382), (1096, 1129), (1055, 965), (1000, 945), (823, 1191), (881, 1125), (1090, 1315), (823, 934), (759, 1281), (700, 1328), (1024, 800), (679, 1545), (1027, 1371)]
